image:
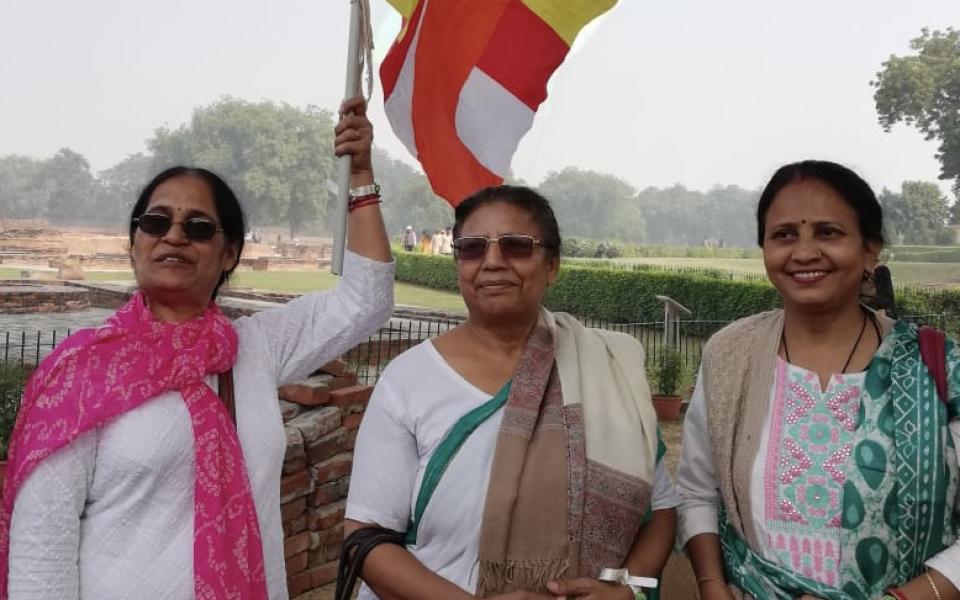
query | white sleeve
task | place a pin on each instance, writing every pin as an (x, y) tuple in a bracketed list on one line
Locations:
[(385, 463), (44, 562), (664, 492), (696, 475), (315, 328), (947, 562)]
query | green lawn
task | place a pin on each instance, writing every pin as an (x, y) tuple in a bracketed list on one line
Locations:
[(298, 282)]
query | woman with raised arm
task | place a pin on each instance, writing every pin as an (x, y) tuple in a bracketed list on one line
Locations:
[(820, 447), (128, 477)]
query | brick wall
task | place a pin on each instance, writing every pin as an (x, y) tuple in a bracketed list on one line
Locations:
[(321, 416)]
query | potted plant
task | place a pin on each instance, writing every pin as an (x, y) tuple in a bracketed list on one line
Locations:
[(668, 373)]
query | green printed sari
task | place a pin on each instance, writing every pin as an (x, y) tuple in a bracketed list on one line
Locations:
[(902, 480)]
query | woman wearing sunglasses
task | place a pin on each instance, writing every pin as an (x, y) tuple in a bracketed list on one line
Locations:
[(517, 453), (128, 476)]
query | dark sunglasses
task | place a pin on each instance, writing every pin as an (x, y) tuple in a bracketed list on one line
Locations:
[(197, 229), (512, 246)]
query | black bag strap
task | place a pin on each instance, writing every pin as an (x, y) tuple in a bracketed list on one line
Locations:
[(355, 550), (225, 389)]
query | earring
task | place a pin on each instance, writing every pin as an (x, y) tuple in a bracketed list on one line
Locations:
[(867, 276)]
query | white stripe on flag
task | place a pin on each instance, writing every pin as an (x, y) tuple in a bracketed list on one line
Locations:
[(491, 121), (399, 106)]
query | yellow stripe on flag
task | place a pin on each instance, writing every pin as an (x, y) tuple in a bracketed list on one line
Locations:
[(566, 17), (404, 7)]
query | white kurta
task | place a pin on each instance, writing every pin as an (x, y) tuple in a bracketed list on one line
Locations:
[(110, 517), (418, 399), (700, 496)]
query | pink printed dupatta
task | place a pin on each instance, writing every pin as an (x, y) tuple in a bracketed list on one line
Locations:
[(95, 376)]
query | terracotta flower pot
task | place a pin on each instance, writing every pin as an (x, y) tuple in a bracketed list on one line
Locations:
[(668, 407)]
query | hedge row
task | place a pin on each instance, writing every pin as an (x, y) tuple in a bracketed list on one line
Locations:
[(596, 291), (586, 248), (925, 254), (615, 294)]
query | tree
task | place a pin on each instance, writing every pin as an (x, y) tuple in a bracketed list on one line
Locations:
[(121, 184), (276, 157), (23, 193), (594, 205), (917, 215), (73, 190), (677, 216), (923, 90)]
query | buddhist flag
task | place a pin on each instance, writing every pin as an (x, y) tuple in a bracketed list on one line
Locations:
[(465, 77)]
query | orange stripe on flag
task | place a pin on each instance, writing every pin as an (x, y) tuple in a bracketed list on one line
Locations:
[(523, 53), (567, 17), (453, 36)]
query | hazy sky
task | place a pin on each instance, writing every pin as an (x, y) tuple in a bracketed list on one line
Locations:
[(696, 92)]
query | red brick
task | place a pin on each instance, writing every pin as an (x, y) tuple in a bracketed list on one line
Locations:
[(324, 574), (296, 544), (351, 399), (334, 367), (327, 537), (327, 446), (292, 510), (316, 423), (333, 468), (293, 466), (328, 493), (345, 380), (333, 552), (289, 410), (325, 517), (352, 438), (351, 422), (312, 578), (295, 486), (291, 528), (297, 563), (296, 393)]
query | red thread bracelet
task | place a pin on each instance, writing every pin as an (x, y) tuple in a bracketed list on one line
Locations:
[(363, 201), (897, 593)]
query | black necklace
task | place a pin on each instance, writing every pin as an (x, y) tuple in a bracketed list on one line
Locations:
[(863, 327)]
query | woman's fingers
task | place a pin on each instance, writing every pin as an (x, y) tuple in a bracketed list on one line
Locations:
[(356, 105)]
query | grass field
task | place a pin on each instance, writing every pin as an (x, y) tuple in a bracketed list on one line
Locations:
[(297, 282), (904, 273)]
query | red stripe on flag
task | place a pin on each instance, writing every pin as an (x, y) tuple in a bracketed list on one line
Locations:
[(453, 36), (523, 53), (393, 61)]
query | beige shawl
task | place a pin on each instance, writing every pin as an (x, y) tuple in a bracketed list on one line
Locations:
[(573, 467)]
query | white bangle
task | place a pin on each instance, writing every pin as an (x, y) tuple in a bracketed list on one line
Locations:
[(624, 577), (365, 190)]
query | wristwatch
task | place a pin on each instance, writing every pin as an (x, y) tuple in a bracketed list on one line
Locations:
[(365, 190)]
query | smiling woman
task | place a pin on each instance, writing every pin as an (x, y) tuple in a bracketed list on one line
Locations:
[(147, 456), (526, 443), (804, 423)]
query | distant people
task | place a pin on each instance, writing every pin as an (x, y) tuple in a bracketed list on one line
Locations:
[(409, 239), (447, 246), (128, 476), (425, 242), (819, 455), (436, 243)]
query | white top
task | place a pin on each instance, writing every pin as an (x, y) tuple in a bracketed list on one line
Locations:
[(110, 517), (446, 246), (417, 400), (436, 243), (700, 495)]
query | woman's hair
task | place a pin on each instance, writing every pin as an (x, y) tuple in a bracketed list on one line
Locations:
[(229, 211), (851, 187), (521, 197)]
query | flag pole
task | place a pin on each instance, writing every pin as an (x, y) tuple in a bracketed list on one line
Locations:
[(344, 162)]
